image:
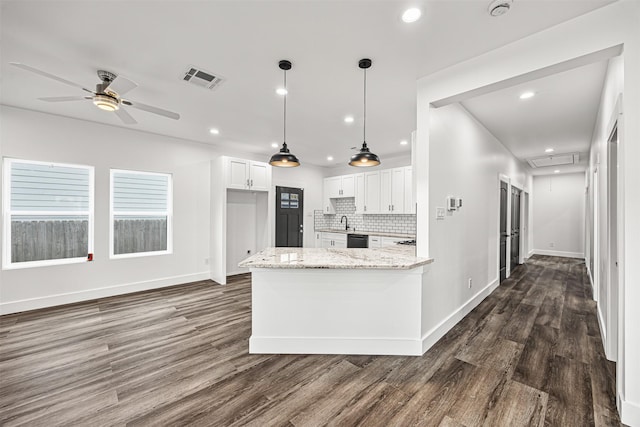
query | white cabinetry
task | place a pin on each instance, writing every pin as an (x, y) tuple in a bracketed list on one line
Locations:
[(375, 241), (371, 192), (388, 191), (339, 186), (391, 241), (359, 193), (245, 174), (334, 240), (393, 190)]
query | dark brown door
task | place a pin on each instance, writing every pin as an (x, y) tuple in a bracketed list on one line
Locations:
[(289, 217), (504, 234), (515, 227)]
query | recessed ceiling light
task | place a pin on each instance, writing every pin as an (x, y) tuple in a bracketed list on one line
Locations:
[(549, 150), (404, 142), (556, 171), (275, 144), (214, 131), (527, 95), (348, 119), (329, 158), (281, 91), (411, 15)]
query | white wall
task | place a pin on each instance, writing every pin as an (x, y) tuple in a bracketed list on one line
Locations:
[(386, 162), (613, 25), (465, 160), (613, 87), (36, 136), (558, 215)]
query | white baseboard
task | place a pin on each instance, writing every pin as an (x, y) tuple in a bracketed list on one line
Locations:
[(334, 345), (431, 337), (559, 253), (629, 412), (530, 254), (90, 294)]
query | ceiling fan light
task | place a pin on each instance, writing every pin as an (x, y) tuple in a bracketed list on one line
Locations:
[(106, 102)]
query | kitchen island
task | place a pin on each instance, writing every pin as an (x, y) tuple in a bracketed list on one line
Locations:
[(337, 301)]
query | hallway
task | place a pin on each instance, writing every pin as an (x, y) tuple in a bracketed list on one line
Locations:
[(530, 354)]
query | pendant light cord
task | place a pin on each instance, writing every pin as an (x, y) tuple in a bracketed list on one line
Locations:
[(284, 131), (364, 127)]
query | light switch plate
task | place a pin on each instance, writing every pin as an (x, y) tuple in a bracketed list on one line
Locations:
[(440, 212)]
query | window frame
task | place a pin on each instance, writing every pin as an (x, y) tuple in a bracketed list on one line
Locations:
[(7, 214), (168, 214)]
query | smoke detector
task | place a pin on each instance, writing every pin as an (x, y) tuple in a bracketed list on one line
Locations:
[(499, 7)]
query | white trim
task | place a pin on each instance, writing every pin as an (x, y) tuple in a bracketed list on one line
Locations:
[(7, 214), (437, 332), (603, 330), (73, 297), (335, 345), (168, 214), (530, 253), (629, 412), (559, 253)]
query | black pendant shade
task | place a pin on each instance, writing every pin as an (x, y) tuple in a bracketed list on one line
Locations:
[(364, 158), (283, 158)]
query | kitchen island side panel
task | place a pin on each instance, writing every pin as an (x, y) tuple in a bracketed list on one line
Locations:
[(327, 311)]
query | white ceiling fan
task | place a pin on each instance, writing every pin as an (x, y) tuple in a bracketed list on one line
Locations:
[(107, 96)]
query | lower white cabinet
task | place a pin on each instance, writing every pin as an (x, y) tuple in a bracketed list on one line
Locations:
[(392, 241), (334, 240), (375, 241)]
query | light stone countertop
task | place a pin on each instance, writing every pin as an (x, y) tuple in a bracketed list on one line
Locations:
[(388, 258), (369, 233)]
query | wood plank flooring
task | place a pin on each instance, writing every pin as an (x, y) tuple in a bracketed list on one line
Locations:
[(529, 355)]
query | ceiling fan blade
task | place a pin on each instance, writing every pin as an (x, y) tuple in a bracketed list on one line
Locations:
[(122, 85), (125, 117), (51, 76), (150, 109), (64, 98)]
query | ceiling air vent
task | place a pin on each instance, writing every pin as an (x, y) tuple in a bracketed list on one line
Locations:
[(555, 160), (202, 78)]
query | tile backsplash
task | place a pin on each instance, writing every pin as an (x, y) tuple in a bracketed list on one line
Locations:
[(401, 223)]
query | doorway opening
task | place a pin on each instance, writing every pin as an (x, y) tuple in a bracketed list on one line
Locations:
[(515, 226), (504, 234), (289, 217)]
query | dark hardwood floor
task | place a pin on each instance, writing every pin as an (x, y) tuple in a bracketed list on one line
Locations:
[(530, 354)]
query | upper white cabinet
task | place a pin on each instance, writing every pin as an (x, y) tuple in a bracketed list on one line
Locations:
[(244, 174), (339, 186), (393, 190), (388, 191), (372, 192), (359, 192)]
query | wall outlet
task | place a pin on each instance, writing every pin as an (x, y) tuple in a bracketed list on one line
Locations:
[(440, 213), (552, 245), (469, 282)]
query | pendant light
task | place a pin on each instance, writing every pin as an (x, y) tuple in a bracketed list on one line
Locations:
[(283, 158), (364, 158)]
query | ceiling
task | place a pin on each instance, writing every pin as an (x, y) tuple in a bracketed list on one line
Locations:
[(561, 115), (152, 43)]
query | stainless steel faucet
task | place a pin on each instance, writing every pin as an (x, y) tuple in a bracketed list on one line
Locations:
[(346, 222)]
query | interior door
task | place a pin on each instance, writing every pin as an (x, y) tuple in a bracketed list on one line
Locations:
[(515, 227), (504, 234), (289, 217)]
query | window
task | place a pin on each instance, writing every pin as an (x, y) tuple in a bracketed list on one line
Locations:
[(48, 213), (141, 213)]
